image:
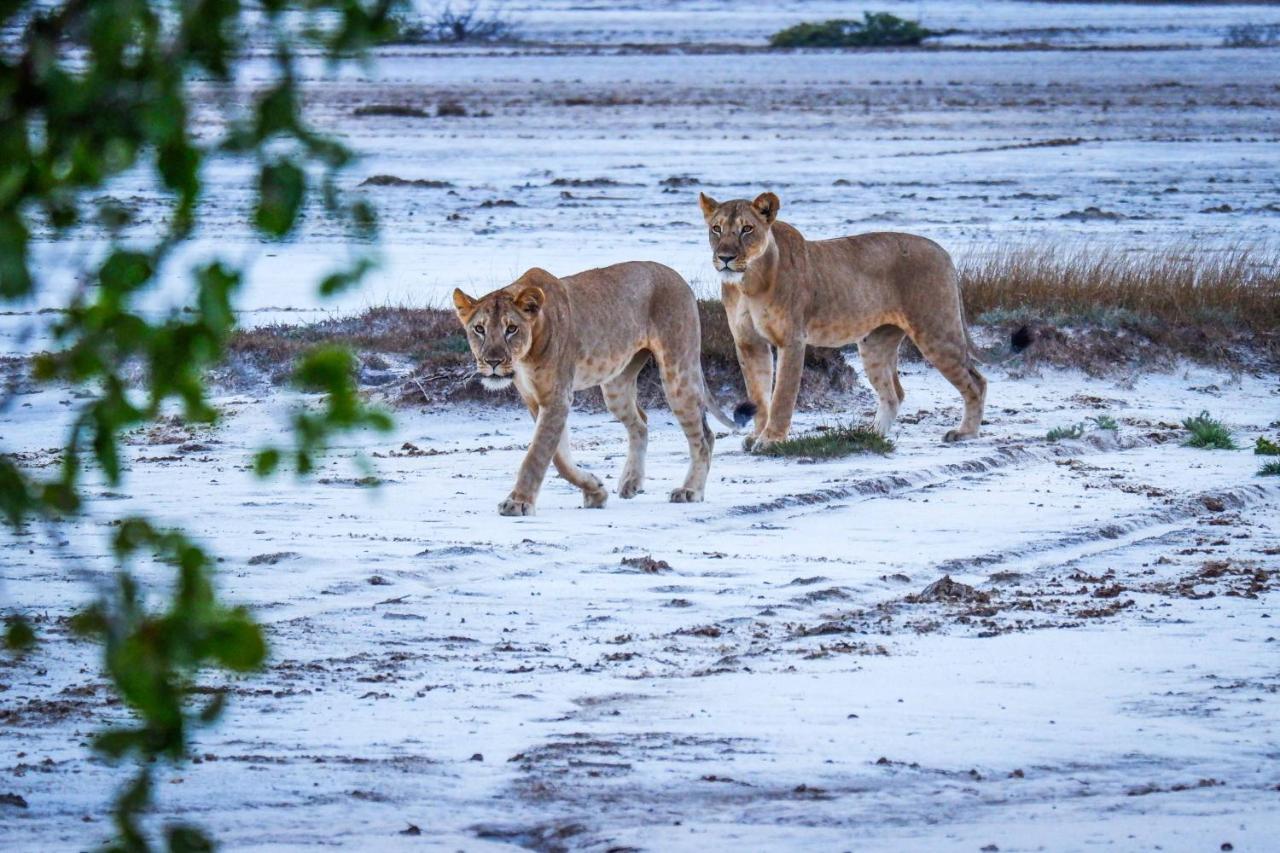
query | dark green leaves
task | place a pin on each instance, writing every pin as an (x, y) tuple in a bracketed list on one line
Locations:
[(89, 90), (19, 636), (329, 370), (281, 187)]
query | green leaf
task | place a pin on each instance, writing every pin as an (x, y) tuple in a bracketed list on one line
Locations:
[(124, 271), (237, 644), (184, 838), (115, 743), (344, 279), (281, 187), (19, 636), (266, 462), (15, 278)]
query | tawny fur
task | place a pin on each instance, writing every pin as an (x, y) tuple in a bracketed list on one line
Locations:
[(555, 336), (782, 290)]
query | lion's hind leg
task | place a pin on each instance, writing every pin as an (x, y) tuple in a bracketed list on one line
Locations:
[(682, 381), (879, 352), (620, 399), (950, 355)]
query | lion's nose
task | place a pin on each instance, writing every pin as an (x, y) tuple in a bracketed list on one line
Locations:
[(493, 362), (725, 259)]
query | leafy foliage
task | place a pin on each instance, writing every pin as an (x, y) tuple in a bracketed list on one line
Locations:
[(876, 29), (1266, 447), (1208, 433), (1271, 469), (1104, 422), (831, 442), (89, 90)]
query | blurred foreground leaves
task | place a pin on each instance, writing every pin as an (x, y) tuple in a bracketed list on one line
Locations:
[(89, 90)]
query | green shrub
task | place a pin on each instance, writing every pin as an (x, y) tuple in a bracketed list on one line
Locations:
[(1105, 422), (1208, 433), (1266, 447), (876, 29), (1063, 432), (831, 443), (1271, 469)]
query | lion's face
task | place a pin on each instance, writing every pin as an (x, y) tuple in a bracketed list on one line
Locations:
[(738, 232), (499, 329)]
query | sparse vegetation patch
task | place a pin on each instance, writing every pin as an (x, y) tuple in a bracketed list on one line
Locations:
[(1266, 447), (1060, 433), (1208, 433), (1271, 469), (831, 442), (1105, 423), (876, 29), (474, 24)]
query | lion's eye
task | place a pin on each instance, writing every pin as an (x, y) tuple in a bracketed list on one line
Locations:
[(715, 229), (511, 330), (747, 229), (478, 328)]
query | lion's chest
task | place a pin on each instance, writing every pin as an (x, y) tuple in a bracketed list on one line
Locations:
[(772, 323)]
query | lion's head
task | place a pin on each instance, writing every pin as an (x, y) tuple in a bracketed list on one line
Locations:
[(738, 232), (499, 329)]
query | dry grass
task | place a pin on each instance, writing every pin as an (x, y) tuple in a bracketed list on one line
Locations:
[(1145, 307), (1097, 310), (1239, 286)]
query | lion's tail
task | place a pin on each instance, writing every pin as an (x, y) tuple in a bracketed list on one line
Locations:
[(742, 415)]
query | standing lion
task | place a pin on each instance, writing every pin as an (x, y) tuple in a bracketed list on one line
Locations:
[(554, 336), (784, 291)]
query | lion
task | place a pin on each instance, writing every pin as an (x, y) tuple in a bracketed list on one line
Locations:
[(554, 336), (781, 290)]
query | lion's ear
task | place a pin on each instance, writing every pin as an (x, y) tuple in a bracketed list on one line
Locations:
[(529, 301), (461, 302), (767, 204), (709, 206)]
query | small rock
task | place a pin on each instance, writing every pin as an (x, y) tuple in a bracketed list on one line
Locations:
[(476, 757), (411, 829)]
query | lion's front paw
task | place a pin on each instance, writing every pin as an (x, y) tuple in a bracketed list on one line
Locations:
[(749, 443), (631, 486), (686, 496), (955, 435), (595, 497), (515, 506)]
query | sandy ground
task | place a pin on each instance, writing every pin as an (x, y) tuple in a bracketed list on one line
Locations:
[(570, 158), (758, 671), (770, 682)]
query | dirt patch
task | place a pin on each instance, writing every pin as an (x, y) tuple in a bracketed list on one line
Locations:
[(647, 564), (393, 181), (420, 357), (946, 590)]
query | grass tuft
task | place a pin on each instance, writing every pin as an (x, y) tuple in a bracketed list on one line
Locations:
[(832, 442), (1266, 447), (1105, 422), (1271, 469), (1064, 432), (1208, 433)]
